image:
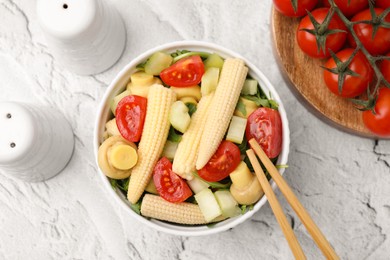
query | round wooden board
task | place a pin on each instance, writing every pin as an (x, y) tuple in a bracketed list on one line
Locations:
[(306, 79)]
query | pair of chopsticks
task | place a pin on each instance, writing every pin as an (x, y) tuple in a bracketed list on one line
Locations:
[(314, 231)]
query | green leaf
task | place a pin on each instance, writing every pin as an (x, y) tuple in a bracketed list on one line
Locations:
[(191, 108), (178, 55), (243, 146), (173, 136), (113, 183), (214, 185), (241, 107), (136, 207), (281, 166), (141, 66), (273, 104), (246, 208)]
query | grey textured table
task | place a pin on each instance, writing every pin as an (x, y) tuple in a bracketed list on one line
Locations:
[(343, 180)]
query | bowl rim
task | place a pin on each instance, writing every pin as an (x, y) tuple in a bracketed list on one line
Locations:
[(174, 228)]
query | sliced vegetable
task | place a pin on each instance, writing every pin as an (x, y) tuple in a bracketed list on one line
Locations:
[(225, 99), (236, 130), (130, 117), (171, 187), (227, 203), (179, 117), (118, 98), (222, 163), (141, 78), (197, 185), (184, 73), (112, 128), (209, 81), (123, 156), (153, 139), (191, 91), (245, 107), (208, 204), (157, 63), (170, 149), (214, 61), (250, 87), (142, 90), (151, 188)]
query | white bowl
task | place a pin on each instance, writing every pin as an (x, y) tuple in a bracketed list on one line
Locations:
[(118, 85)]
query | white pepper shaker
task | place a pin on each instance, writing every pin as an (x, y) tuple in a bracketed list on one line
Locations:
[(36, 143), (86, 36)]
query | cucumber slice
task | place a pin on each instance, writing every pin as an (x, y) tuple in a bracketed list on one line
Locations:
[(112, 128), (214, 61), (170, 149), (236, 130), (197, 185), (250, 87), (158, 62), (208, 204), (151, 188), (227, 203), (209, 81), (179, 117), (117, 99)]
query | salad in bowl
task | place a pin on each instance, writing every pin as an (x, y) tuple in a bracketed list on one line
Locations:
[(172, 132)]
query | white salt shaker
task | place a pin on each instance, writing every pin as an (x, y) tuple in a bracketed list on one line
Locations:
[(86, 36), (36, 143)]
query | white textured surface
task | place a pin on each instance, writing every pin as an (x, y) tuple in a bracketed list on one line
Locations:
[(342, 180)]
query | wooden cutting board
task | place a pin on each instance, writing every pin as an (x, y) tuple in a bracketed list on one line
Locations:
[(306, 79)]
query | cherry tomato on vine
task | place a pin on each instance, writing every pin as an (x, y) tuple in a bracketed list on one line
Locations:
[(351, 8), (353, 86), (224, 161), (171, 187), (286, 8), (265, 125), (385, 68), (379, 123), (307, 41), (382, 3), (380, 44), (186, 72), (130, 117)]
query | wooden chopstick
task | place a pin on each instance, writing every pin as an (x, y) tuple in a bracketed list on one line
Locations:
[(276, 208), (312, 228)]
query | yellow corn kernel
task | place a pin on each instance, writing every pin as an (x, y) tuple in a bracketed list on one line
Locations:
[(153, 139), (193, 91), (182, 213), (221, 109), (187, 151)]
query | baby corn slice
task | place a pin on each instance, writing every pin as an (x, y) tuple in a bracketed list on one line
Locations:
[(183, 213), (187, 151), (153, 139), (221, 109)]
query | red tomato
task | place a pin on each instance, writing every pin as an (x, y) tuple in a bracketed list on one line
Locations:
[(307, 41), (184, 73), (380, 44), (353, 86), (385, 68), (351, 8), (286, 8), (382, 3), (265, 125), (224, 161), (171, 187), (130, 117), (380, 122)]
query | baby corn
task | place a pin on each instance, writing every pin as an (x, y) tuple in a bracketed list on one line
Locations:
[(221, 109), (153, 139), (187, 151), (183, 213)]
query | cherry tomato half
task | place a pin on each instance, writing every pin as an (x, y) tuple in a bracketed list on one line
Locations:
[(380, 122), (380, 44), (308, 42), (353, 86), (184, 73), (169, 185), (265, 125), (224, 161), (385, 68), (285, 7), (349, 7), (130, 117)]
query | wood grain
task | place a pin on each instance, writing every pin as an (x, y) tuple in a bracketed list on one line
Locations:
[(306, 80)]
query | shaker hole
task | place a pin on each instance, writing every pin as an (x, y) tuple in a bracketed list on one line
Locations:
[(65, 6), (9, 115), (12, 145)]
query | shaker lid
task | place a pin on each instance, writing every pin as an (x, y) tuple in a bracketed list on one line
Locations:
[(66, 19), (17, 132)]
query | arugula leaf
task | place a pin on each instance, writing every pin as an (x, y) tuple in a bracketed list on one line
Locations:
[(243, 146), (178, 53), (241, 107), (173, 136), (113, 183), (136, 207), (191, 108), (261, 99), (141, 66), (246, 208), (214, 185)]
